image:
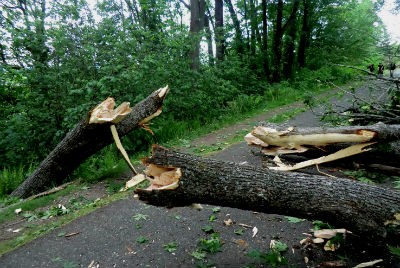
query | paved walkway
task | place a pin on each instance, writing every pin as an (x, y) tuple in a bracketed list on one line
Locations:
[(108, 237)]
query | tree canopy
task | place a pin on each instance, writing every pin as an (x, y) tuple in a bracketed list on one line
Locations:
[(60, 58)]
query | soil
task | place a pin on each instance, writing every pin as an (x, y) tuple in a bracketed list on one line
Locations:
[(128, 233)]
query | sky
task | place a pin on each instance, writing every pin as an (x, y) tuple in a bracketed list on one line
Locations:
[(391, 20)]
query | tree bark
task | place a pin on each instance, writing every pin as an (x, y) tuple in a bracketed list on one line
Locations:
[(277, 44), (83, 141), (209, 40), (253, 25), (197, 11), (361, 208), (219, 30), (265, 39), (289, 54), (304, 35)]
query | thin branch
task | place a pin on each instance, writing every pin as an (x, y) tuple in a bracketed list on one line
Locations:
[(185, 4), (397, 81)]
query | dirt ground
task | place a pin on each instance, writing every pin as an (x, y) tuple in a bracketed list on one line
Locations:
[(128, 233)]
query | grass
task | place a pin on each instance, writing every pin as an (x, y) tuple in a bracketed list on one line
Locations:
[(38, 230)]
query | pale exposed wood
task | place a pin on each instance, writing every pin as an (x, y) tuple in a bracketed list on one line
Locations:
[(121, 148), (349, 151)]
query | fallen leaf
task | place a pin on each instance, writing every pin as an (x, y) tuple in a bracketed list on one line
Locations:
[(16, 230), (306, 240), (241, 243), (255, 231), (330, 246), (368, 264), (228, 222), (197, 206), (18, 210), (94, 264), (306, 260), (318, 240), (71, 234)]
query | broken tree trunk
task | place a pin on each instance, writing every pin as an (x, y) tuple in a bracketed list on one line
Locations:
[(276, 140), (361, 208), (343, 141), (85, 140)]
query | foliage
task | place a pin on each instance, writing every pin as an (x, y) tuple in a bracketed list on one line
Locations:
[(140, 216), (170, 247), (211, 245), (318, 225), (395, 251), (294, 219), (271, 258), (11, 178), (365, 176), (142, 240), (62, 58)]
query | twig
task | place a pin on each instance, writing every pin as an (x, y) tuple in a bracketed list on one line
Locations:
[(51, 191)]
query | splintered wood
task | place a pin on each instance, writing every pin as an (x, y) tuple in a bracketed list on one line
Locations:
[(274, 142)]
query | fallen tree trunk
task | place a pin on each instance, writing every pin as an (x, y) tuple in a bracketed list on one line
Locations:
[(85, 140), (275, 140), (364, 209)]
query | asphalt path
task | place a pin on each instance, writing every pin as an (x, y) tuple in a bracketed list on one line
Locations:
[(129, 233)]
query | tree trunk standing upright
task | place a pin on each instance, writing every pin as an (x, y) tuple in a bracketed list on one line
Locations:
[(219, 30), (238, 32), (253, 25), (197, 11), (289, 53), (209, 40), (277, 45), (304, 34), (264, 47)]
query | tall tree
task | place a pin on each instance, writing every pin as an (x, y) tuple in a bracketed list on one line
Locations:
[(289, 53), (277, 45), (264, 47), (197, 11), (219, 30), (304, 34), (209, 39), (238, 44), (253, 26)]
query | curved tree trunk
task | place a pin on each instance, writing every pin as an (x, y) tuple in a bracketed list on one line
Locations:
[(83, 141), (361, 208)]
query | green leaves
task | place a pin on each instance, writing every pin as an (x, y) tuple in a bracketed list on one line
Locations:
[(141, 239), (140, 217), (211, 245), (294, 219), (171, 247)]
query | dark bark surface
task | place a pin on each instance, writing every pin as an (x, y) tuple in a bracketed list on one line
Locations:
[(277, 44), (82, 142), (219, 30), (361, 208), (197, 12), (305, 34)]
